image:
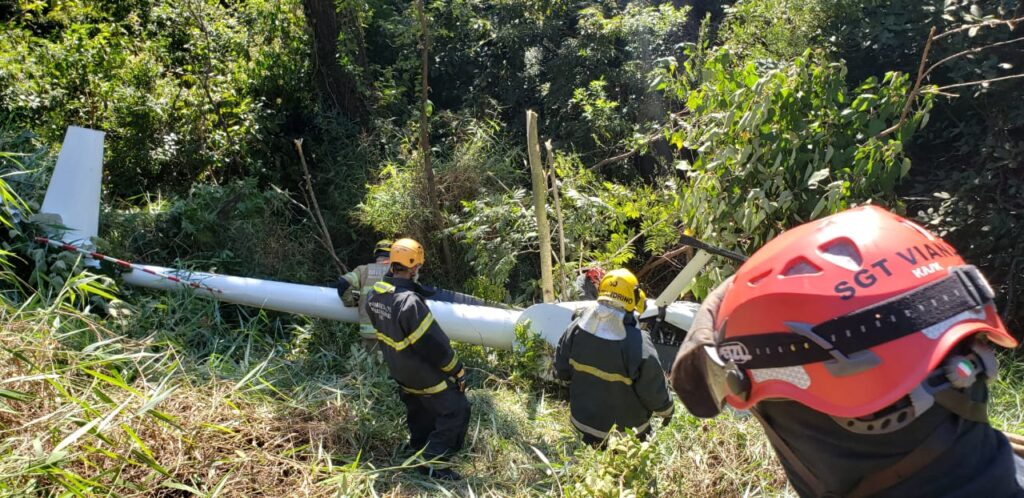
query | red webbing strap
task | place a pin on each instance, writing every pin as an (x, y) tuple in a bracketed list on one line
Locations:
[(936, 444), (787, 454)]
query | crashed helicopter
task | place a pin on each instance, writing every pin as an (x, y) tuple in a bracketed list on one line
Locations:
[(73, 195)]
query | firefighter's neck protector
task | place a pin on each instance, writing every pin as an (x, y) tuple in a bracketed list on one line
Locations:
[(605, 320)]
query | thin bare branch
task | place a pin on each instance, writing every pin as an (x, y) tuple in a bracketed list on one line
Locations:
[(1012, 23), (978, 82), (970, 51), (656, 261), (917, 87), (648, 139), (553, 177), (318, 217), (614, 159)]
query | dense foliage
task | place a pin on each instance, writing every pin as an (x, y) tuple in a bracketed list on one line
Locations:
[(733, 132), (730, 127)]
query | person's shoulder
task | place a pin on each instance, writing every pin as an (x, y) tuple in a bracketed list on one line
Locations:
[(381, 289), (647, 348), (376, 266), (407, 297)]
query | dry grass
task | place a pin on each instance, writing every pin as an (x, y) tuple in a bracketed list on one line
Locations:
[(144, 407)]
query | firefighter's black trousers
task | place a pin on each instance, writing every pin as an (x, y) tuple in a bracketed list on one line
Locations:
[(437, 422)]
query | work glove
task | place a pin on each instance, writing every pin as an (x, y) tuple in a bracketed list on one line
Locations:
[(459, 378), (348, 293), (687, 377)]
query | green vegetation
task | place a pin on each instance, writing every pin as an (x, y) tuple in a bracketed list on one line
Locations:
[(732, 127), (165, 395)]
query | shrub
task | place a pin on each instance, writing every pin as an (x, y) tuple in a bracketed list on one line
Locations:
[(781, 144), (236, 228)]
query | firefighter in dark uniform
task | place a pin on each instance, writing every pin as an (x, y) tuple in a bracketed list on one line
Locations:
[(863, 345), (611, 366), (419, 357)]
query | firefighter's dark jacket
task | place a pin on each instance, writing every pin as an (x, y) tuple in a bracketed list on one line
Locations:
[(613, 382), (418, 354)]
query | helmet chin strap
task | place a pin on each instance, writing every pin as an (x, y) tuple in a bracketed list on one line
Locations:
[(945, 386)]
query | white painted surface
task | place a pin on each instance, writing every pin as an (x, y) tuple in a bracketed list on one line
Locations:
[(482, 325), (74, 190), (493, 327)]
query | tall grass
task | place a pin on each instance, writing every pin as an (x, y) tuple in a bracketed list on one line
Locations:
[(177, 396)]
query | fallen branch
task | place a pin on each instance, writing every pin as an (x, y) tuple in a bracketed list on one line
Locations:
[(614, 159), (318, 217), (647, 140)]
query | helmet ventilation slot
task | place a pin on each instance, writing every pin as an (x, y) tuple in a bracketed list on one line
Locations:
[(842, 252), (800, 266)]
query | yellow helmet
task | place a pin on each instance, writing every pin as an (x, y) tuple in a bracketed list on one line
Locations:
[(407, 252), (383, 246), (641, 303), (620, 286)]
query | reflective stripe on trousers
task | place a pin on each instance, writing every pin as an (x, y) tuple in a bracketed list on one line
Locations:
[(602, 434)]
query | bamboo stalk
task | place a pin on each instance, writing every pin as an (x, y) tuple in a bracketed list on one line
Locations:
[(540, 206)]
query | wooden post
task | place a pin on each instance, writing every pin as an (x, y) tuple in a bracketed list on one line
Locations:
[(540, 191), (561, 221)]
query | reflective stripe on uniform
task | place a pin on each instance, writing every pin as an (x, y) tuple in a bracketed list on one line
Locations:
[(602, 434), (412, 338), (366, 330), (352, 278), (601, 374), (441, 386), (451, 364), (383, 287)]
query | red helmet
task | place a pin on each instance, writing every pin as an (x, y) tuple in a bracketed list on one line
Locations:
[(595, 275), (849, 313)]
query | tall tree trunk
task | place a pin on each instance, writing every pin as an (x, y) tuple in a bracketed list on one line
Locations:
[(428, 169), (338, 88)]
